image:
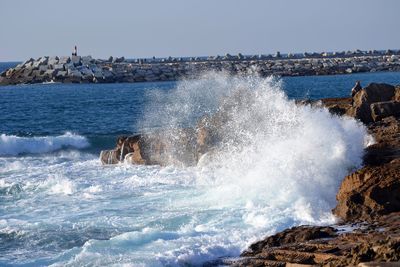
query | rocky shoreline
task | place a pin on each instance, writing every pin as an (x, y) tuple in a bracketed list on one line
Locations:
[(368, 200), (85, 69), (368, 204)]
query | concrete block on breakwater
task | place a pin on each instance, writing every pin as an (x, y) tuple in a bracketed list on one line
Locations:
[(85, 69)]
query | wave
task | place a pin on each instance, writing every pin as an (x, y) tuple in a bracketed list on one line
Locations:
[(11, 145), (271, 154)]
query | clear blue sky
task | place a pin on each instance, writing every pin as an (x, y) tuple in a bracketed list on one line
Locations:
[(146, 28)]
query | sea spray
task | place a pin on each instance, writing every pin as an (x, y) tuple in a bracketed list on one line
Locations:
[(270, 152)]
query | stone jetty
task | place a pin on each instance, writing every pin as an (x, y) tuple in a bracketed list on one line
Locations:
[(85, 69)]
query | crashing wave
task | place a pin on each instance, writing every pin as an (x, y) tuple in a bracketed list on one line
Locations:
[(11, 145)]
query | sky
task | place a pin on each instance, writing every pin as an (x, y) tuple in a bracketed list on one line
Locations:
[(162, 28)]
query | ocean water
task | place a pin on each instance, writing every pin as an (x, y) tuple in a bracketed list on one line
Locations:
[(279, 165)]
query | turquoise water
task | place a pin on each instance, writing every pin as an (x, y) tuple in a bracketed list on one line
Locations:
[(60, 206)]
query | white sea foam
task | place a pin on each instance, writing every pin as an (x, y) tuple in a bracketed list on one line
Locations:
[(15, 145)]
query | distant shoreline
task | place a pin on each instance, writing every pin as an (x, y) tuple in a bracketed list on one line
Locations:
[(85, 69)]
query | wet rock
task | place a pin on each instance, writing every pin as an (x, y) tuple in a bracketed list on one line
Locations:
[(109, 156), (349, 245), (174, 146), (289, 236)]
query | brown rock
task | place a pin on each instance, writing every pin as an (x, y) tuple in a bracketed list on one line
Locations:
[(162, 148), (375, 189), (382, 110), (289, 236), (337, 106), (377, 242), (109, 156), (369, 192), (397, 94), (374, 92)]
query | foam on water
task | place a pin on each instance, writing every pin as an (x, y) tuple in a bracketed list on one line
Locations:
[(15, 145), (278, 165)]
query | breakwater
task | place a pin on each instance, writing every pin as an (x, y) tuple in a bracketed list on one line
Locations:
[(85, 69)]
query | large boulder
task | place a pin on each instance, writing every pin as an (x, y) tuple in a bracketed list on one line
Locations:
[(369, 192), (382, 110), (52, 61), (374, 92), (155, 149), (64, 60)]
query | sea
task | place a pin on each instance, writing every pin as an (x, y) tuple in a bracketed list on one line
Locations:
[(280, 165)]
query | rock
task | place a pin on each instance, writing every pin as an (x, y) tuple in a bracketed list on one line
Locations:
[(109, 157), (28, 62), (59, 67), (36, 64), (397, 94), (43, 60), (382, 110), (64, 60), (61, 74), (86, 71), (87, 60), (336, 106), (289, 236), (52, 61), (49, 73), (43, 68), (69, 66), (75, 73), (369, 192), (373, 244), (159, 148), (363, 99)]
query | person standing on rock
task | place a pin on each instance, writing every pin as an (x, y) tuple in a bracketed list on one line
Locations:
[(355, 90)]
